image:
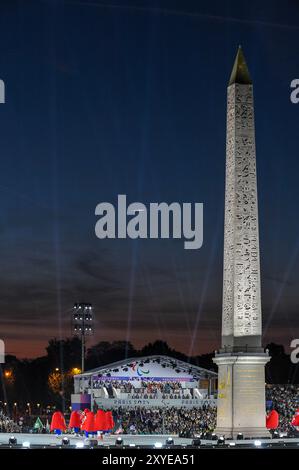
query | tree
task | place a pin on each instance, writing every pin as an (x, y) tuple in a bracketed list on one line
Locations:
[(104, 353), (64, 353)]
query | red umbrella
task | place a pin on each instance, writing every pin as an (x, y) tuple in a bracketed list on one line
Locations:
[(272, 420), (58, 421)]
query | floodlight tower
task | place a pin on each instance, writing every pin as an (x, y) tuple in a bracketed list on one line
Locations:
[(82, 321)]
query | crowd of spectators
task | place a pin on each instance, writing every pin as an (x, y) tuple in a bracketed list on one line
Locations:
[(182, 421), (171, 420), (285, 400), (7, 424), (145, 389)]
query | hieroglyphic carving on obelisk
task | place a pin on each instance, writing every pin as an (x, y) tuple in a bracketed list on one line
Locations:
[(241, 315)]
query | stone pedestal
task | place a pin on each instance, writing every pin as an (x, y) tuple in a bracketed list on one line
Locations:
[(241, 395)]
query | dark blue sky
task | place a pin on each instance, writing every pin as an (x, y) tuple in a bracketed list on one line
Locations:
[(107, 98)]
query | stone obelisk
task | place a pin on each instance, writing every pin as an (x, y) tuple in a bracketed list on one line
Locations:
[(241, 359)]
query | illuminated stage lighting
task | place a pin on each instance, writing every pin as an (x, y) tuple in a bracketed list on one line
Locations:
[(196, 442), (12, 441), (119, 441), (169, 441), (79, 445), (65, 441), (158, 445), (240, 437), (91, 443)]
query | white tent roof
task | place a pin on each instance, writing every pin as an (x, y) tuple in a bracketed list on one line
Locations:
[(148, 367)]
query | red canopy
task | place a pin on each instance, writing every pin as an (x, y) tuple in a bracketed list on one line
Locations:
[(272, 420), (58, 421), (75, 419)]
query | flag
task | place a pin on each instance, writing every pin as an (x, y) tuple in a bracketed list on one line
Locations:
[(38, 425), (47, 426)]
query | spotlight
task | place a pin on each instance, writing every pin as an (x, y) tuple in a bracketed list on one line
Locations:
[(257, 443), (221, 440), (79, 445), (240, 436), (91, 443), (12, 441), (169, 441), (26, 445), (119, 441), (65, 441), (196, 442), (158, 445)]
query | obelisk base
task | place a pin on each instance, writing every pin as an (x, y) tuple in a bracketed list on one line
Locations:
[(241, 395)]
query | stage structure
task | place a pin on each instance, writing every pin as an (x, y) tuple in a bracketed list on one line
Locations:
[(151, 381), (241, 359)]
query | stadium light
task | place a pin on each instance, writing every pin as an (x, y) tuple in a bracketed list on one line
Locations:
[(82, 321)]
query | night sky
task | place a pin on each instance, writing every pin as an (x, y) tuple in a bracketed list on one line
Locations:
[(107, 98)]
